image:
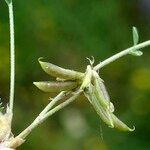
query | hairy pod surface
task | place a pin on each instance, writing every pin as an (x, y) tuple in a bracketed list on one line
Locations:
[(103, 112), (48, 86), (59, 72), (100, 90)]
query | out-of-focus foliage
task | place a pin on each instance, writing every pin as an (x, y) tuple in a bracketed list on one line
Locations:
[(64, 33)]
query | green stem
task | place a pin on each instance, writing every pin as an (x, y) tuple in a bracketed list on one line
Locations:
[(60, 96), (46, 114), (122, 53), (12, 56)]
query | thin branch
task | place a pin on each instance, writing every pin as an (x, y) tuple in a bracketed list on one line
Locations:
[(60, 96), (43, 117), (12, 56), (122, 53), (62, 105)]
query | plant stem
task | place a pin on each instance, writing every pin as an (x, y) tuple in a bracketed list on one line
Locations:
[(45, 115), (122, 53), (60, 96), (62, 105), (12, 56)]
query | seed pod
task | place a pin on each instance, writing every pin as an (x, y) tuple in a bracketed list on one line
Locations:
[(59, 72), (48, 86), (87, 78), (59, 79), (103, 112), (111, 107), (101, 92), (120, 125)]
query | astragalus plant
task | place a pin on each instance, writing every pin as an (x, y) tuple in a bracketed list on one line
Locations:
[(70, 84)]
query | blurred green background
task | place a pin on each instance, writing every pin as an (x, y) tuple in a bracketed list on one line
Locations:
[(64, 32)]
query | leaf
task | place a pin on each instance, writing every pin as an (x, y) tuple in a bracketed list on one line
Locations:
[(135, 52), (135, 35)]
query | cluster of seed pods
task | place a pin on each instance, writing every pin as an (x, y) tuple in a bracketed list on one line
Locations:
[(93, 88)]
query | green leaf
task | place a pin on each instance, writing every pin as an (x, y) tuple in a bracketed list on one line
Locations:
[(135, 52), (135, 35)]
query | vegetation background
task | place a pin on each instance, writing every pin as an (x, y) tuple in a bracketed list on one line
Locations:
[(64, 32)]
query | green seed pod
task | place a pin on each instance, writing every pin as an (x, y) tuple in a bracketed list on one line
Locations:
[(101, 92), (104, 113), (87, 78), (59, 72), (48, 86), (120, 125), (62, 80)]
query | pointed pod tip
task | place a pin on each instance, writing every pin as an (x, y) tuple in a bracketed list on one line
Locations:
[(120, 125), (39, 59), (132, 129), (36, 83), (43, 64), (41, 85)]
